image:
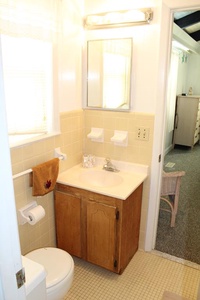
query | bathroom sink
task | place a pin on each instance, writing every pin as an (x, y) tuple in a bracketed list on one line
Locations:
[(113, 184), (100, 178)]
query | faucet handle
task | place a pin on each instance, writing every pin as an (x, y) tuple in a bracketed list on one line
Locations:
[(109, 166), (107, 159)]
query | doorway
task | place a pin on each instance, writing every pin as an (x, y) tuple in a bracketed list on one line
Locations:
[(181, 241)]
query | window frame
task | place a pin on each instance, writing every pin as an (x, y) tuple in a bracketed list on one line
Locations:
[(20, 140)]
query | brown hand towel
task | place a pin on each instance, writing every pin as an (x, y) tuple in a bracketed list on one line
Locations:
[(44, 176)]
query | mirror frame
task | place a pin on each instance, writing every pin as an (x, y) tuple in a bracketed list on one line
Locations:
[(85, 76)]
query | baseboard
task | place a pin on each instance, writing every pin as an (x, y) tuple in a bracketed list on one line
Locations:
[(168, 149)]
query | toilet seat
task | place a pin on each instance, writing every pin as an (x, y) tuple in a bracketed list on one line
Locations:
[(57, 263)]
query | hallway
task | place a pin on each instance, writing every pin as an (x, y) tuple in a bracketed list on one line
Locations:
[(183, 240)]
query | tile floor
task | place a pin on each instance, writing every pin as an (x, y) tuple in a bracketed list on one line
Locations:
[(146, 277)]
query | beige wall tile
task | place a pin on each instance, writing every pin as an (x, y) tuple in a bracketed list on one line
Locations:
[(16, 155), (43, 233)]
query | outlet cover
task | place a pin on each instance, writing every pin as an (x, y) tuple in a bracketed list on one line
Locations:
[(142, 133)]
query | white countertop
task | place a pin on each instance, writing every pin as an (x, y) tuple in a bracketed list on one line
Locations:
[(132, 176)]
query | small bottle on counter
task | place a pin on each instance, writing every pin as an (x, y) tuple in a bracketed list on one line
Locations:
[(190, 92), (88, 161)]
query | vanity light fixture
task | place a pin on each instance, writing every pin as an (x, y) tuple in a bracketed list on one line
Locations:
[(118, 18)]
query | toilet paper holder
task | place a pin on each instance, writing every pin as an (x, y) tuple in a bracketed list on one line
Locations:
[(23, 216)]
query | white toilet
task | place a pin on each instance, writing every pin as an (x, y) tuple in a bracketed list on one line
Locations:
[(59, 266)]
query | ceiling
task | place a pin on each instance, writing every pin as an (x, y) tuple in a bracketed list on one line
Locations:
[(189, 21)]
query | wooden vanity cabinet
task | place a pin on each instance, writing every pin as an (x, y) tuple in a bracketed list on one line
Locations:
[(99, 229), (68, 222)]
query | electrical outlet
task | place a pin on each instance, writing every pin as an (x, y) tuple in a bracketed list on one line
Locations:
[(142, 133)]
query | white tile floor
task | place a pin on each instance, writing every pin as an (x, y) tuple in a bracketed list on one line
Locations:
[(146, 277)]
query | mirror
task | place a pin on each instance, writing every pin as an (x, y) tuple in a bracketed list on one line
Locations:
[(109, 74)]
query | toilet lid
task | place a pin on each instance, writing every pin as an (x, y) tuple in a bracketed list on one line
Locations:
[(57, 263)]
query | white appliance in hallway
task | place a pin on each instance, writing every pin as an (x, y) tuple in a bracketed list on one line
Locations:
[(187, 121)]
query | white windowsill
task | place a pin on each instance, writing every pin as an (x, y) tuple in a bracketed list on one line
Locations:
[(17, 141)]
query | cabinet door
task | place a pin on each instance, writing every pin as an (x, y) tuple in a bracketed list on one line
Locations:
[(68, 222), (101, 234)]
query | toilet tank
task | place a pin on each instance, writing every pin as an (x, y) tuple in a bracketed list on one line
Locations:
[(35, 285)]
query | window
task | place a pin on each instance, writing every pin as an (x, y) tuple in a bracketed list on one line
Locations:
[(28, 85), (29, 32)]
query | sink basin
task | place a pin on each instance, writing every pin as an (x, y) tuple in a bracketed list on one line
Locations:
[(100, 178)]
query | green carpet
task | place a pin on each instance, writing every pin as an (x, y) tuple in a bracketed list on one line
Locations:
[(183, 240)]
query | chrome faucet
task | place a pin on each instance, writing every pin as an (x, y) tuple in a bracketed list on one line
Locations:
[(108, 166)]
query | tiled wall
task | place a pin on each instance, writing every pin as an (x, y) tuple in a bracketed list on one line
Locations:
[(73, 141), (137, 151), (23, 158)]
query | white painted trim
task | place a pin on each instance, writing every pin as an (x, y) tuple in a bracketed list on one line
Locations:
[(167, 10), (168, 149), (10, 254), (183, 38)]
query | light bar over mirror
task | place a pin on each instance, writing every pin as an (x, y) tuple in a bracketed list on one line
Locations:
[(118, 18)]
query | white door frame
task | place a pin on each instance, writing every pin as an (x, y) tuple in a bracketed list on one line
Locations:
[(10, 253), (167, 10)]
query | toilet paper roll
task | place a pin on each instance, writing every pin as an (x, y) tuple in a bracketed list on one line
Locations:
[(36, 214)]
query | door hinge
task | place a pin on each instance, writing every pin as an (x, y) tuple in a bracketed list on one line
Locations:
[(115, 264), (20, 277), (159, 158), (117, 215)]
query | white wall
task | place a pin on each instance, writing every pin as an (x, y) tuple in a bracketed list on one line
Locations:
[(70, 56), (193, 74), (182, 76), (181, 88), (188, 76)]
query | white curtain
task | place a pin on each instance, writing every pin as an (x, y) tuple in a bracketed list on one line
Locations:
[(30, 18), (29, 31), (172, 87)]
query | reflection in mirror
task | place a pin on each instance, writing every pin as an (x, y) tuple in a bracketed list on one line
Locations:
[(109, 73)]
